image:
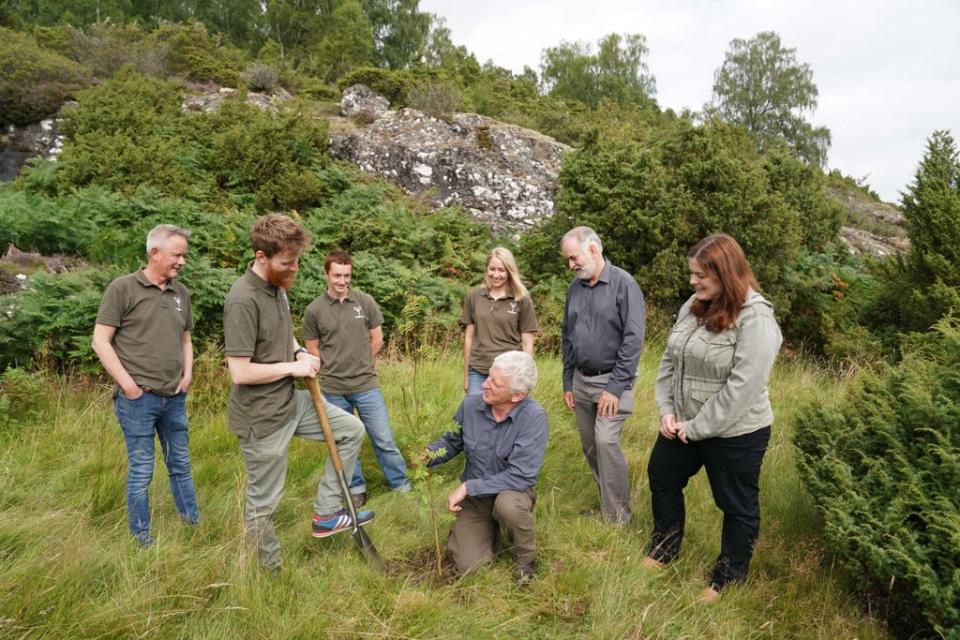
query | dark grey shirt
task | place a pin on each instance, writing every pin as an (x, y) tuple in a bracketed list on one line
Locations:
[(603, 328), (500, 456)]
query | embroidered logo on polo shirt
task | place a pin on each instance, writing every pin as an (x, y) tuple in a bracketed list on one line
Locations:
[(177, 300), (513, 308), (359, 311)]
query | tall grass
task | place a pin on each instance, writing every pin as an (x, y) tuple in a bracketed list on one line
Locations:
[(69, 569)]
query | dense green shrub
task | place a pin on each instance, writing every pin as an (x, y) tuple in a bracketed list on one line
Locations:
[(650, 200), (272, 156), (106, 47), (884, 468), (130, 133), (194, 54), (826, 293), (34, 82)]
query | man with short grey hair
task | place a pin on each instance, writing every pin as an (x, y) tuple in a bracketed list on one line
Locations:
[(503, 434), (142, 337), (603, 328)]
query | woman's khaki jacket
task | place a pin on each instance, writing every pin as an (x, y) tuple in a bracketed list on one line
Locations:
[(717, 382)]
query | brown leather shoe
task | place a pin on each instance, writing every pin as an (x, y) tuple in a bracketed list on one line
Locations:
[(652, 563), (709, 595)]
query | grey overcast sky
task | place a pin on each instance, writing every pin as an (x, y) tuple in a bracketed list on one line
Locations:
[(888, 71)]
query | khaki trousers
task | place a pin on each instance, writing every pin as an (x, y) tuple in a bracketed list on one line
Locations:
[(600, 439), (266, 461), (475, 536)]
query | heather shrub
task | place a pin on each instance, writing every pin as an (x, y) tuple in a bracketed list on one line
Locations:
[(436, 99), (883, 465)]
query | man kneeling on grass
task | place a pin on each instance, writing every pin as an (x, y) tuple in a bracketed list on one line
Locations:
[(503, 435)]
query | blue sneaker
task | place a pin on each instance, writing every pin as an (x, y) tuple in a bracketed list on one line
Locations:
[(324, 526)]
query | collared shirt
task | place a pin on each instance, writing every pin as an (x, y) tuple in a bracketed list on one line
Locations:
[(256, 324), (343, 329), (603, 327), (500, 456), (150, 323), (498, 325)]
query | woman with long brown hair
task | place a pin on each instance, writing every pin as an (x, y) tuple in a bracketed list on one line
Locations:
[(711, 393)]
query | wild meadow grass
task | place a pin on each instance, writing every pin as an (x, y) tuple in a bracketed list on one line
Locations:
[(69, 569)]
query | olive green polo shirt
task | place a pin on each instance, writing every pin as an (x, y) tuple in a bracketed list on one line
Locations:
[(343, 329), (497, 325), (257, 324), (150, 323)]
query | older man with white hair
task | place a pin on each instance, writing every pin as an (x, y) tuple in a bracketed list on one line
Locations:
[(503, 434), (603, 327)]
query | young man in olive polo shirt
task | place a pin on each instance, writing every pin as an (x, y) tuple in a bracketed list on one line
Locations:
[(343, 327), (265, 410), (142, 337)]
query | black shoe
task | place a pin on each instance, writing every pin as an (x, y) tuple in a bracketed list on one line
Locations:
[(524, 574), (358, 499)]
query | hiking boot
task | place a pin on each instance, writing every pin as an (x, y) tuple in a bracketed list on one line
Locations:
[(330, 524), (524, 573), (358, 499)]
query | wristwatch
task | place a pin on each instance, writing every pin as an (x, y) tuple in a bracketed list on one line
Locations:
[(299, 351)]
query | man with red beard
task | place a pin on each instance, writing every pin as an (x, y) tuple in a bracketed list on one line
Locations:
[(265, 410)]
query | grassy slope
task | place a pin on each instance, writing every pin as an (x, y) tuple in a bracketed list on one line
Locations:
[(68, 569)]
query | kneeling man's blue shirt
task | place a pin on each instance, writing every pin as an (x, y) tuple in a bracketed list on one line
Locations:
[(500, 456)]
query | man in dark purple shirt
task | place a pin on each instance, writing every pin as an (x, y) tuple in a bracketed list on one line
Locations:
[(503, 434), (603, 327)]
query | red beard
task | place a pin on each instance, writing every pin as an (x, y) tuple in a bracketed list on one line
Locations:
[(282, 279)]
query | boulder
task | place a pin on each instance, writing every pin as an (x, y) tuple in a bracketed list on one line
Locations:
[(501, 174), (360, 100)]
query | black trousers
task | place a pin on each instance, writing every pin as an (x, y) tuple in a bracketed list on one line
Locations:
[(733, 467)]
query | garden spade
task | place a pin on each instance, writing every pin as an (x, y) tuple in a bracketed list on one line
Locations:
[(360, 536)]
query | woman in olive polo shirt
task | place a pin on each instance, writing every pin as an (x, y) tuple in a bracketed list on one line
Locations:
[(498, 317)]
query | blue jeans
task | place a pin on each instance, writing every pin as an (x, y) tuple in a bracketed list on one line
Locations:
[(372, 410), (141, 419), (475, 381)]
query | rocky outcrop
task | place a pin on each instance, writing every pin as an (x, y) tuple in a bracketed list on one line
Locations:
[(864, 242), (16, 265), (360, 100), (211, 100), (502, 174), (19, 144), (872, 227)]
